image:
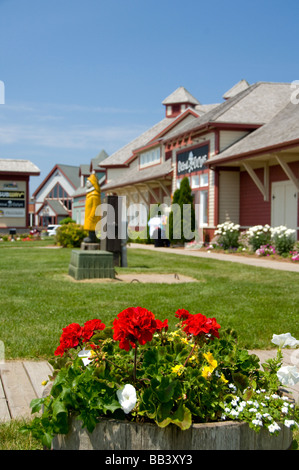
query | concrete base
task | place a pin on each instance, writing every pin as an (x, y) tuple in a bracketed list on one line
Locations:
[(121, 435), (90, 246), (90, 264)]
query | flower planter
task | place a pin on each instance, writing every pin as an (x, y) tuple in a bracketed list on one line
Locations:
[(121, 435)]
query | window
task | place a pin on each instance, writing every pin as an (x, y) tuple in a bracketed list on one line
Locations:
[(150, 157), (203, 213), (195, 181), (59, 193), (204, 179)]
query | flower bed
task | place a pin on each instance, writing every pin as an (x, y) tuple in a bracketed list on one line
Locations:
[(137, 371), (274, 242)]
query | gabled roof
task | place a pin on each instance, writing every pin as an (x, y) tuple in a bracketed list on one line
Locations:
[(180, 95), (18, 166), (237, 88), (95, 163), (123, 156), (84, 170), (254, 106), (56, 206), (70, 172), (135, 176), (281, 132)]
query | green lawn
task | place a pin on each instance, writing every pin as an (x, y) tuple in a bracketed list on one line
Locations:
[(38, 299)]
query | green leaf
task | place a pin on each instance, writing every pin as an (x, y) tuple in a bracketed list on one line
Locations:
[(165, 390), (181, 418), (36, 404), (58, 408), (47, 440)]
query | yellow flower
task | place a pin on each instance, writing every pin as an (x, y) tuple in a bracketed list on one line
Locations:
[(223, 379), (44, 382), (184, 340), (210, 359), (207, 372), (179, 369)]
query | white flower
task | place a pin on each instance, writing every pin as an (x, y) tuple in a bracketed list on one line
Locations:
[(257, 422), (288, 375), (290, 422), (273, 427), (285, 410), (284, 340), (85, 354), (127, 398)]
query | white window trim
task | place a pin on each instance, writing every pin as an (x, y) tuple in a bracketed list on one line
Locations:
[(157, 157)]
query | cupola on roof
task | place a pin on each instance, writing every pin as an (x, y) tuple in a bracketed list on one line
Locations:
[(178, 101)]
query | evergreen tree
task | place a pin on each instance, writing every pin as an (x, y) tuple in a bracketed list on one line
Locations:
[(182, 219)]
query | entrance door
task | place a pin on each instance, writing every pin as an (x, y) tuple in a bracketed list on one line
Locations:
[(284, 204)]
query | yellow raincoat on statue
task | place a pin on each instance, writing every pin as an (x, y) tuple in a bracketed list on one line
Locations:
[(93, 200)]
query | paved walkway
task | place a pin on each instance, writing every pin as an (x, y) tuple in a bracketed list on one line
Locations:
[(21, 382), (262, 262)]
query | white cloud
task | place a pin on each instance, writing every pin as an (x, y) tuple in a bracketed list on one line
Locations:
[(71, 137)]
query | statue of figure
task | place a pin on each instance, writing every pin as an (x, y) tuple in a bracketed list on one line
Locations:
[(93, 200)]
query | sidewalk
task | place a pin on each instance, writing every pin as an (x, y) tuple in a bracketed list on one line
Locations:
[(261, 262)]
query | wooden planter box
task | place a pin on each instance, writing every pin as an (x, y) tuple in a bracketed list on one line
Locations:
[(121, 435)]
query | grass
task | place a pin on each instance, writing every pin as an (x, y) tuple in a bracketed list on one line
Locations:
[(38, 298), (12, 439)]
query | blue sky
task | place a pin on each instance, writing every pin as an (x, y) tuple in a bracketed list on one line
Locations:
[(82, 76)]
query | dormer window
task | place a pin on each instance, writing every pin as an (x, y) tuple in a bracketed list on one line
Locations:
[(150, 157)]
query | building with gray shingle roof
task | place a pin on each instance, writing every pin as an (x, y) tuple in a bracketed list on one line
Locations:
[(207, 142), (17, 166), (57, 187)]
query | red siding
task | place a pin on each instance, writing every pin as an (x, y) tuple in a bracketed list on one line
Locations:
[(253, 209)]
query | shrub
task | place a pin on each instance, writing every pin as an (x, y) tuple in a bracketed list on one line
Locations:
[(67, 220), (70, 235), (283, 239), (228, 235), (258, 236)]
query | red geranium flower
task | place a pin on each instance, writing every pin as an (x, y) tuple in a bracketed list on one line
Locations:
[(70, 338), (60, 350), (199, 325), (161, 324), (213, 327), (89, 328), (134, 325), (182, 314)]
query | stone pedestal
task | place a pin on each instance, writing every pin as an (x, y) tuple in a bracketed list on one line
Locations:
[(90, 264), (90, 246)]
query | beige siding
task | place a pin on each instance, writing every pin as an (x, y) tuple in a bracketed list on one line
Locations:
[(116, 173), (211, 201), (227, 138), (229, 190)]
